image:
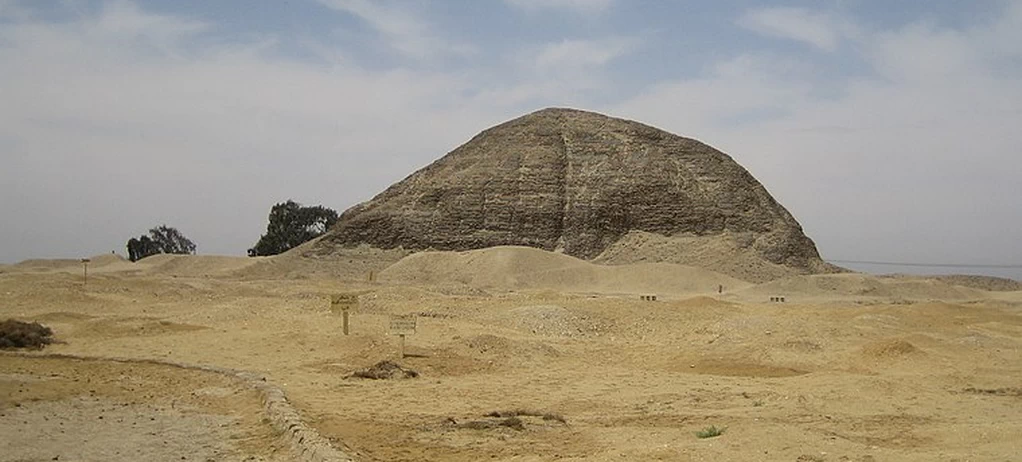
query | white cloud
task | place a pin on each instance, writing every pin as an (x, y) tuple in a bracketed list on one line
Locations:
[(562, 73), (917, 163), (577, 6), (576, 54), (117, 121), (819, 30), (404, 31)]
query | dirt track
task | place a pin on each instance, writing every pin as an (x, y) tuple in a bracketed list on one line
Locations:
[(846, 370)]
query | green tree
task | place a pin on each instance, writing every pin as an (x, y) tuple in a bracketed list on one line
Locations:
[(161, 239), (290, 225)]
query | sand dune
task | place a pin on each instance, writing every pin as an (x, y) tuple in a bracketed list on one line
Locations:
[(981, 282), (350, 264), (40, 264), (193, 265), (732, 254), (864, 285), (517, 268)]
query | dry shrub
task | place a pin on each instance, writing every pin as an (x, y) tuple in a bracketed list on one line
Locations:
[(510, 422), (712, 431), (20, 334), (385, 370), (527, 412), (1007, 391), (507, 419)]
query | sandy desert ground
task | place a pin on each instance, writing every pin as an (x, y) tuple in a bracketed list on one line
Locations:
[(850, 367)]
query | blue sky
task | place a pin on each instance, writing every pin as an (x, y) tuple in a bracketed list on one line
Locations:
[(889, 129)]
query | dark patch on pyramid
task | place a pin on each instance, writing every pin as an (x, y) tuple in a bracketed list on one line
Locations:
[(574, 181)]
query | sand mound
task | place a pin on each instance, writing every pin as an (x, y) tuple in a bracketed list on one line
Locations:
[(733, 254), (991, 283), (41, 264), (158, 265), (555, 320), (703, 302), (864, 285), (307, 261), (193, 265), (102, 263), (502, 347), (894, 348), (525, 268)]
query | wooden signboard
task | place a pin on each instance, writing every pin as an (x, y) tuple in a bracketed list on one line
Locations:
[(343, 302), (403, 325)]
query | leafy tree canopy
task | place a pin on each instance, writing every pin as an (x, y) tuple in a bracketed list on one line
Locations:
[(290, 225), (161, 239)]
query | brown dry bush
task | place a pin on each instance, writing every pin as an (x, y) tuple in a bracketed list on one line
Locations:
[(527, 412), (20, 334), (510, 422)]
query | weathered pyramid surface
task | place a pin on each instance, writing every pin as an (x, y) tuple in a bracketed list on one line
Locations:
[(576, 182)]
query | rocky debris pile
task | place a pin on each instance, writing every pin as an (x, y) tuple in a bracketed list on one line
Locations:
[(552, 320), (20, 334), (384, 370), (516, 419)]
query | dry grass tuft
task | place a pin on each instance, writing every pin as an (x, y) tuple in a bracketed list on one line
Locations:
[(712, 431)]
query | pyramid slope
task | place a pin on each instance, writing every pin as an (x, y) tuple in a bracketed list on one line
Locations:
[(575, 182)]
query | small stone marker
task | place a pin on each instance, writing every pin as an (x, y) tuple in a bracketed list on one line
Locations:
[(648, 298), (777, 299), (403, 325), (342, 303)]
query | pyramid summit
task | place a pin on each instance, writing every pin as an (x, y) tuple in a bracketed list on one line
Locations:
[(578, 182)]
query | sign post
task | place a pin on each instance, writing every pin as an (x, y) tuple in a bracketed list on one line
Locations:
[(343, 302), (85, 272), (403, 325)]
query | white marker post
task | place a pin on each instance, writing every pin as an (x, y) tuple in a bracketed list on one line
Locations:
[(403, 325)]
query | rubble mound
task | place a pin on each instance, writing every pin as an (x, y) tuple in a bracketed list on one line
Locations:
[(20, 334), (384, 370)]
